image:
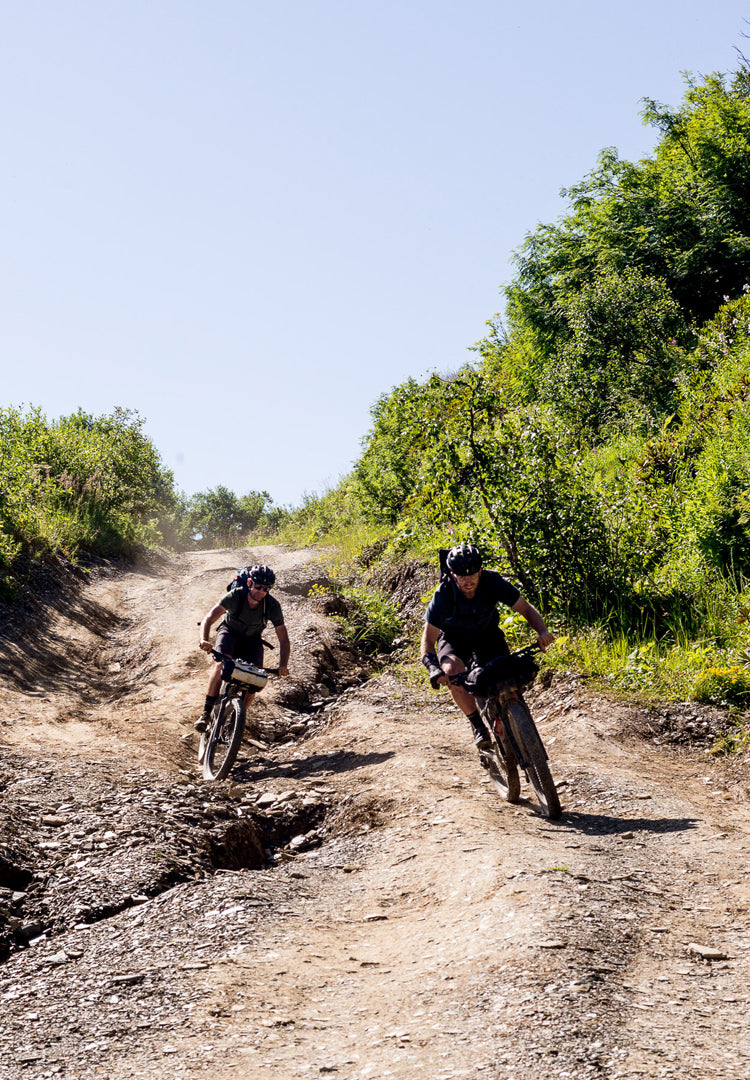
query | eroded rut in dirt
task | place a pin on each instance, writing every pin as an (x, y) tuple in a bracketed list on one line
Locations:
[(354, 901)]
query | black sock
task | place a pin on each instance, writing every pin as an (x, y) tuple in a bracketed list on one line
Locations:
[(476, 720), (210, 702)]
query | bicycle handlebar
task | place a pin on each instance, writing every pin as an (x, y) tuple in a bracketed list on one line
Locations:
[(222, 657), (520, 654)]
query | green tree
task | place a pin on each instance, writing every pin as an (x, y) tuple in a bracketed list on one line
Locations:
[(679, 218), (405, 421), (219, 518), (620, 360)]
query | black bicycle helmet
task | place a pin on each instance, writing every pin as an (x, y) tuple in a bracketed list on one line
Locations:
[(464, 560), (262, 575)]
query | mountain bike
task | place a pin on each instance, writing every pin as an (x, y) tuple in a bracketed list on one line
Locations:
[(514, 739), (220, 742)]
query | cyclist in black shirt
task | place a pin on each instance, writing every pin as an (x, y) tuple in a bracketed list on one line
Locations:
[(462, 619), (244, 614)]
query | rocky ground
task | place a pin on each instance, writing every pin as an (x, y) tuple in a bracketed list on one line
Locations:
[(355, 901)]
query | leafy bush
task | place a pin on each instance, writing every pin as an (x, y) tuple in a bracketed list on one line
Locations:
[(78, 484), (617, 364), (370, 621), (723, 686)]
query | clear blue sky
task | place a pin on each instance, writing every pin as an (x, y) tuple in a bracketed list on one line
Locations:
[(249, 220)]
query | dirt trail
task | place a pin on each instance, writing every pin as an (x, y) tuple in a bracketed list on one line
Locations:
[(406, 924)]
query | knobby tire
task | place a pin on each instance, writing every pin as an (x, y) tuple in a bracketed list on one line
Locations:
[(500, 761), (224, 738), (531, 747)]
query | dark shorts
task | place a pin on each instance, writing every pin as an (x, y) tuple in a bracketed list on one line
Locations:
[(239, 646), (484, 649)]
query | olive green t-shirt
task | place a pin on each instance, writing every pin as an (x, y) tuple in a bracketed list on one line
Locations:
[(242, 619)]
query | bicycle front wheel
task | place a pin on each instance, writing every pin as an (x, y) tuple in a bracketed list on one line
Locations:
[(531, 747), (499, 760), (224, 738)]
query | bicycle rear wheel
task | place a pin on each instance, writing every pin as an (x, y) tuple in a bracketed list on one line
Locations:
[(224, 739), (500, 761), (532, 749)]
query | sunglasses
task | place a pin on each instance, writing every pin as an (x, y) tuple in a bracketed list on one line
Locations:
[(263, 588)]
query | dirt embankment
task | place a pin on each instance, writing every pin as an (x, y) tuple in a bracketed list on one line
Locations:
[(354, 901)]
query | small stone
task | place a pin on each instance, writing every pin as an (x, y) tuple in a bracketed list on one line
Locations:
[(705, 952), (32, 929)]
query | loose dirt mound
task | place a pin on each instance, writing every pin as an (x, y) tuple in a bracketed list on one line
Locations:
[(355, 901)]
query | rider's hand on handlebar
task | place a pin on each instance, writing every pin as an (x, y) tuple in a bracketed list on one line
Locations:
[(283, 671), (205, 646), (545, 640), (434, 671)]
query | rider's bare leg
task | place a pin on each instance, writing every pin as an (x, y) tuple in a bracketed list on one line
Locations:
[(214, 681), (454, 665)]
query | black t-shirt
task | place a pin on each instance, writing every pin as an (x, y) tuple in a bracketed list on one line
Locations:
[(457, 616), (242, 619)]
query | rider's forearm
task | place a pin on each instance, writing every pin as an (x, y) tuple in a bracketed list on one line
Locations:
[(537, 623), (429, 639), (285, 648), (532, 617)]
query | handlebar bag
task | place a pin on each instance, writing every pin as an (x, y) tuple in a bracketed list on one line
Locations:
[(517, 670), (247, 674)]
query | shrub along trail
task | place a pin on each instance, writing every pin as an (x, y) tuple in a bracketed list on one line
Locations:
[(406, 924)]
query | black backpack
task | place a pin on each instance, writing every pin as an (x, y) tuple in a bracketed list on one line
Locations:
[(239, 583), (445, 576), (240, 580)]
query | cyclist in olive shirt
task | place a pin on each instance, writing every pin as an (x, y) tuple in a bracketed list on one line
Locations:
[(462, 619), (244, 614)]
